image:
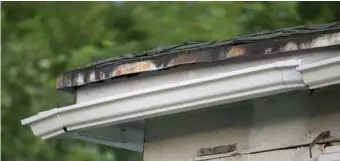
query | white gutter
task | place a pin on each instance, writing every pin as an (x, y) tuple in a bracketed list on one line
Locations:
[(207, 91), (321, 73)]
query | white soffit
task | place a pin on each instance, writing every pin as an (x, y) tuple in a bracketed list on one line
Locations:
[(178, 97), (321, 73), (116, 136)]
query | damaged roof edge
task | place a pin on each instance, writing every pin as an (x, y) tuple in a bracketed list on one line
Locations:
[(100, 72)]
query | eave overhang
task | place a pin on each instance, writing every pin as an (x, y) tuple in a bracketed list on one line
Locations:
[(208, 91)]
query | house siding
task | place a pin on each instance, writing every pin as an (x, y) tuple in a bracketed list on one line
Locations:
[(279, 126)]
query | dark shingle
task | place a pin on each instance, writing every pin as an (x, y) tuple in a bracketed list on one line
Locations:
[(303, 37)]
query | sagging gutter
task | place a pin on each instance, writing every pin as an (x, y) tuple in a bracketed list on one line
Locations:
[(183, 96)]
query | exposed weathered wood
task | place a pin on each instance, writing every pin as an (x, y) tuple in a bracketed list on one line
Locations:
[(216, 150)]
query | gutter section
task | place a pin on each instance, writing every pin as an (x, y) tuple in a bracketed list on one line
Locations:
[(45, 124), (173, 98), (322, 73)]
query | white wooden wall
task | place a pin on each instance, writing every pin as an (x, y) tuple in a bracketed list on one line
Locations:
[(290, 121)]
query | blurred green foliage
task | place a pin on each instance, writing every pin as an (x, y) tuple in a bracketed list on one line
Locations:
[(41, 40)]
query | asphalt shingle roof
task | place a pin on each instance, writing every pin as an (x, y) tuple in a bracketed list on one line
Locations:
[(267, 42)]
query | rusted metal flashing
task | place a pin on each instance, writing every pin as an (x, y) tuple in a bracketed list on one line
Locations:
[(285, 40)]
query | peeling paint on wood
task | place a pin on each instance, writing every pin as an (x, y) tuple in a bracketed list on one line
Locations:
[(133, 68), (216, 150)]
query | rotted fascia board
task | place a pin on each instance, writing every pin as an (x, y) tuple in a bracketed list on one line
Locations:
[(321, 73), (178, 97)]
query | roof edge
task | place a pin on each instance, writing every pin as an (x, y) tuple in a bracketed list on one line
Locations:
[(72, 79)]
